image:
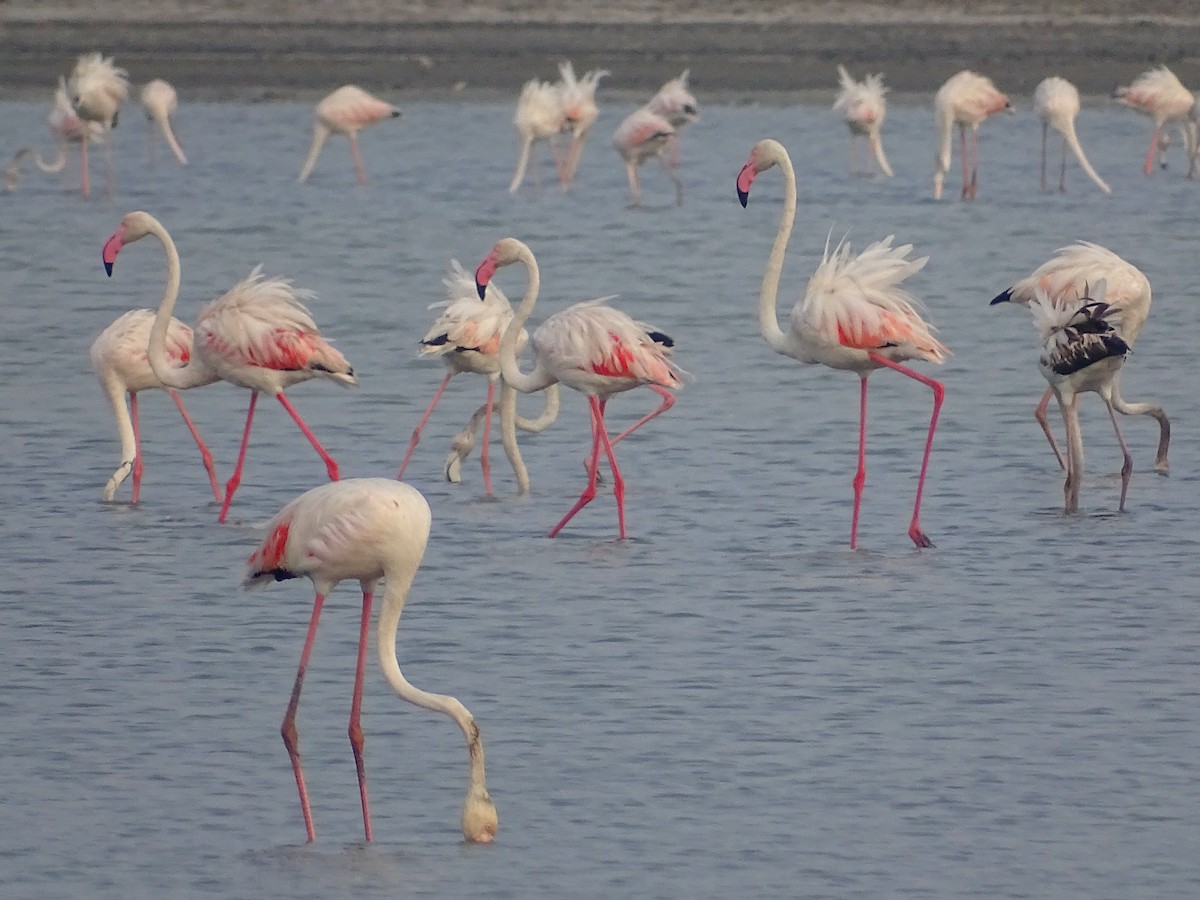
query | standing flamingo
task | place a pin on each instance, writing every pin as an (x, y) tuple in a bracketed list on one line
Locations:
[(863, 105), (346, 111), (66, 128), (643, 135), (1065, 278), (966, 99), (677, 104), (539, 117), (120, 361), (466, 335), (1056, 102), (96, 89), (578, 97), (854, 316), (160, 102), (368, 529), (1159, 94), (595, 349), (257, 335), (1082, 351)]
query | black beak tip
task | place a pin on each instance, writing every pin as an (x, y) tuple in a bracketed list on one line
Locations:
[(1004, 297), (743, 197), (480, 289), (108, 268)]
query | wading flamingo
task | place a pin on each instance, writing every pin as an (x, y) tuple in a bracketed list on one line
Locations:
[(367, 529), (66, 128), (346, 111), (466, 335), (1159, 94), (578, 97), (854, 316), (595, 349), (863, 105), (1056, 102), (1065, 278), (645, 134), (96, 89), (1081, 351), (965, 100), (160, 102), (539, 117), (119, 358), (677, 104), (258, 335)]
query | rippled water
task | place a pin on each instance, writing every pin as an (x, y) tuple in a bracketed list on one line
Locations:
[(730, 703)]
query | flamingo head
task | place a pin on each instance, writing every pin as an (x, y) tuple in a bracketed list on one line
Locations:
[(763, 155), (479, 819), (506, 252), (133, 226)]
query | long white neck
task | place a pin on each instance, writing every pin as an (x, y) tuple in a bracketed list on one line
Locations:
[(538, 379), (320, 133), (195, 373), (164, 125), (389, 623), (767, 320), (1072, 140)]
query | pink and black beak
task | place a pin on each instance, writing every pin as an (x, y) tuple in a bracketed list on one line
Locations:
[(483, 275), (111, 248), (744, 180)]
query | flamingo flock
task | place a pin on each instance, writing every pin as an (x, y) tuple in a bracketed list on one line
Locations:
[(856, 313)]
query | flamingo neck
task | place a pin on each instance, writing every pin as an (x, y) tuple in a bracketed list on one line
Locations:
[(509, 370), (194, 373), (768, 293)]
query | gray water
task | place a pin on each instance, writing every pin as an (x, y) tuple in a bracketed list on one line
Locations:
[(729, 703)]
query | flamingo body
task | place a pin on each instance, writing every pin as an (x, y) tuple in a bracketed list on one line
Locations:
[(643, 135), (578, 98), (1159, 94), (160, 102), (346, 111), (1056, 103), (967, 99), (539, 117), (366, 529), (96, 90), (863, 105)]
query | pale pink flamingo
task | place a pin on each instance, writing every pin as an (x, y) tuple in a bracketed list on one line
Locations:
[(539, 117), (119, 358), (854, 315), (595, 349), (366, 529), (346, 111), (1159, 94), (1082, 351), (258, 335), (1066, 279), (965, 100), (160, 102), (643, 135), (96, 89), (578, 97), (466, 335), (678, 105), (66, 128), (863, 105), (1056, 103)]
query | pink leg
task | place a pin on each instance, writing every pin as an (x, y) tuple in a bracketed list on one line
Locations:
[(974, 161), (137, 448), (291, 739), (416, 435), (484, 461), (599, 439), (939, 393), (1127, 465), (1040, 415), (668, 402), (83, 176), (962, 135), (860, 474), (1148, 167), (356, 732), (330, 466), (236, 478), (205, 455), (358, 165)]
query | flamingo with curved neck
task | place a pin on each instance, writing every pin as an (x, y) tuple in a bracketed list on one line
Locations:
[(854, 316)]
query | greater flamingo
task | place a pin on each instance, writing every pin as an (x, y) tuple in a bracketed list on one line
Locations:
[(1081, 351), (1056, 103), (854, 315), (677, 104), (1159, 94), (96, 89), (346, 111), (863, 105), (1065, 278), (119, 358), (66, 128), (645, 134), (578, 97), (595, 349), (466, 335), (965, 100), (539, 117), (258, 335), (367, 529), (160, 102)]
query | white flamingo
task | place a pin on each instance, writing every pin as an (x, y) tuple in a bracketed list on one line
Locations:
[(348, 110), (66, 128), (1056, 103), (863, 106), (578, 97), (967, 99), (1159, 94), (160, 102), (96, 89)]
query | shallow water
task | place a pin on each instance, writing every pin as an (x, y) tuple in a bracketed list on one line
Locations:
[(729, 703)]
